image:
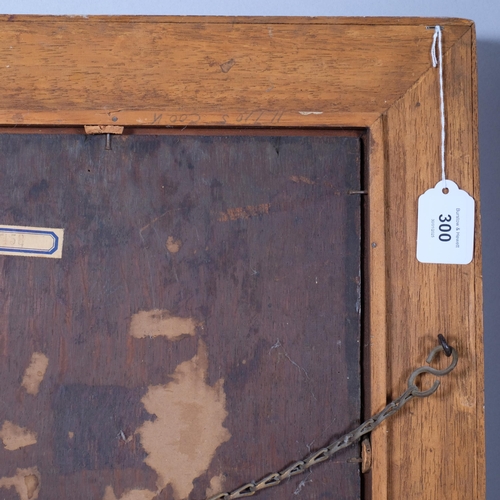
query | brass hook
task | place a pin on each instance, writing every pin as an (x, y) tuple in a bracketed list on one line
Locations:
[(433, 371)]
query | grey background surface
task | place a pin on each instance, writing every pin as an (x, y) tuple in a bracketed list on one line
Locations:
[(486, 14)]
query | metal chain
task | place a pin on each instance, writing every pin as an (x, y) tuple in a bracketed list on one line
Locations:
[(369, 425)]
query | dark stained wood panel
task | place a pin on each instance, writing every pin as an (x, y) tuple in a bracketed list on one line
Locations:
[(202, 328)]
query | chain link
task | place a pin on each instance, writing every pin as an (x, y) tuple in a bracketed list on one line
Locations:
[(366, 427)]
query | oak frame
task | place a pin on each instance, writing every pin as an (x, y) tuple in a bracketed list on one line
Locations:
[(370, 73)]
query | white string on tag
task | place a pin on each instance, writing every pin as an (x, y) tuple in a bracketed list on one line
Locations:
[(445, 221), (437, 39)]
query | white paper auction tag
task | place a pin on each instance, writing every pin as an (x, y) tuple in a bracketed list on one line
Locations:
[(445, 225)]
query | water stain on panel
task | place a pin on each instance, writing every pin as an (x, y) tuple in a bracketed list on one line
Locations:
[(109, 494), (26, 483), (216, 485), (160, 322), (173, 245), (300, 179), (244, 212), (35, 372), (15, 437), (183, 438)]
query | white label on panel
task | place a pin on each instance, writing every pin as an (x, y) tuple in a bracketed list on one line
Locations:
[(31, 241)]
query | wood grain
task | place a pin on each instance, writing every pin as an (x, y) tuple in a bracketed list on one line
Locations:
[(300, 20), (378, 295), (172, 74), (368, 73), (423, 300)]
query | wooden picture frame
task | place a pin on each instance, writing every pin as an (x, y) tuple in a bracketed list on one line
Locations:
[(176, 74)]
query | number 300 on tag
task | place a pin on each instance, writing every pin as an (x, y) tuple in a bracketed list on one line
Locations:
[(445, 232)]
